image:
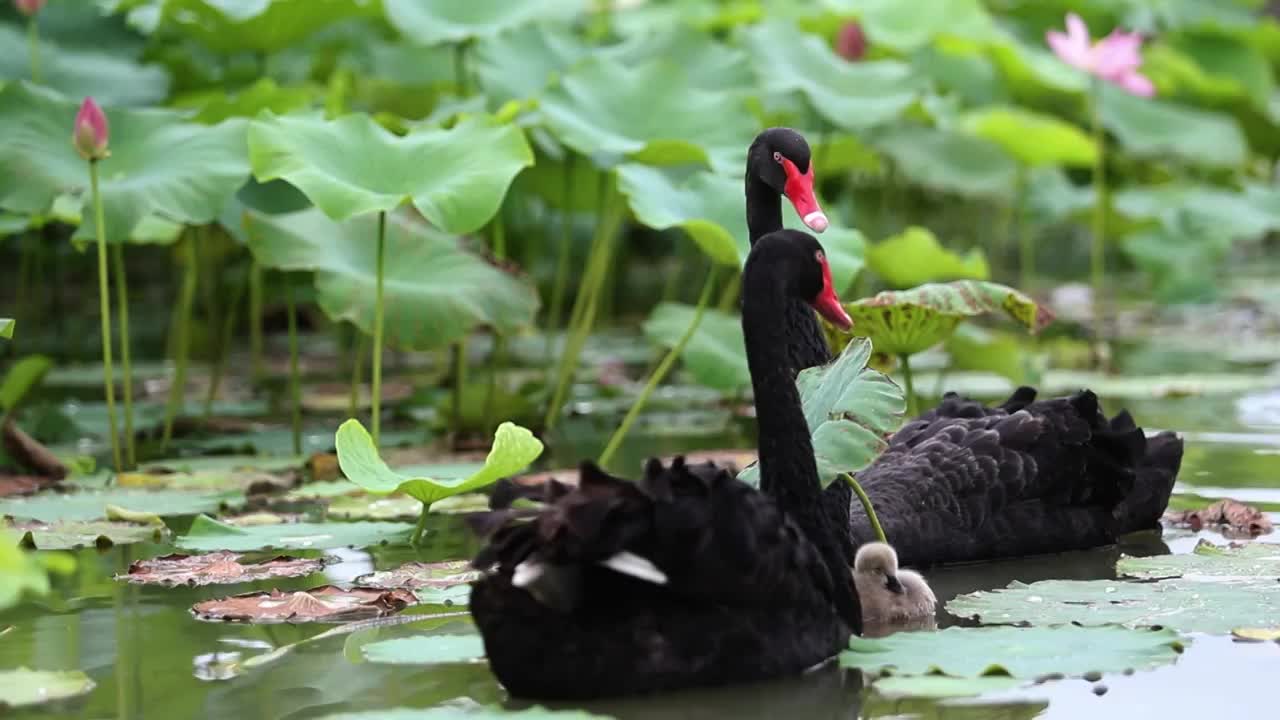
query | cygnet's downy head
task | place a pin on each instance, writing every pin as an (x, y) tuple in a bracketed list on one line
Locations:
[(879, 560)]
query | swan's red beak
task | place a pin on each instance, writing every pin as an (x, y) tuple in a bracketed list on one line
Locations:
[(799, 190), (828, 304)]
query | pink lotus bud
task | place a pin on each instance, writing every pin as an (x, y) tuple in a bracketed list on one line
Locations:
[(91, 134), (851, 44), (28, 7)]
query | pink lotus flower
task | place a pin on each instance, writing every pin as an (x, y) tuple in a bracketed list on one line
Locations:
[(1115, 58), (851, 43), (28, 7), (91, 133)]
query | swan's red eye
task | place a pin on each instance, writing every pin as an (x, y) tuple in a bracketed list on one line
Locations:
[(777, 157)]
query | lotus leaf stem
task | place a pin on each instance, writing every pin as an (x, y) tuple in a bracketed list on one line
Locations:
[(564, 251), (224, 348), (660, 372), (421, 526), (866, 506), (729, 296), (378, 320), (255, 321), (295, 381), (459, 381), (496, 361), (181, 330), (909, 382), (357, 371), (122, 299), (104, 304)]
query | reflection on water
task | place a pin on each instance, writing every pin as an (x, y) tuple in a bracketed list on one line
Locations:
[(150, 658)]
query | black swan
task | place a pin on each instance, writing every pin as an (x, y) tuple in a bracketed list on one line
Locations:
[(964, 481), (690, 577)]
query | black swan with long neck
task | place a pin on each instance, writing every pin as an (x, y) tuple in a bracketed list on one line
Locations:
[(688, 578), (964, 481)]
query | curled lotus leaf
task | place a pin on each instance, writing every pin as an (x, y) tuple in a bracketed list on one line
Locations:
[(327, 603), (218, 568), (909, 321)]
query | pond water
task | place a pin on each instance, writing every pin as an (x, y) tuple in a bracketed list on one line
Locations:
[(150, 658)]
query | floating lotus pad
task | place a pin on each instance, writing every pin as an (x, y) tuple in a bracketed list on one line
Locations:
[(219, 568), (1209, 562), (426, 650), (160, 162), (207, 534), (1183, 605), (68, 535), (327, 603), (53, 507), (435, 291), (24, 688)]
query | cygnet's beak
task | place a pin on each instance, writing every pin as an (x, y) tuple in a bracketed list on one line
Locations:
[(891, 582)]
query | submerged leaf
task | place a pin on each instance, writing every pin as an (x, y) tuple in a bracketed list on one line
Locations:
[(23, 687), (327, 603), (514, 448), (907, 322), (207, 534), (1183, 605), (1025, 653), (426, 650), (217, 568), (851, 411), (914, 257)]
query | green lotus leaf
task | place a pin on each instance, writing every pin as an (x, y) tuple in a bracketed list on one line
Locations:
[(851, 411), (69, 535), (214, 106), (468, 710), (1160, 129), (1023, 653), (1182, 604), (25, 688), (208, 535), (711, 65), (605, 108), (111, 78), (374, 507), (714, 355), (909, 321), (976, 348), (894, 687), (708, 207), (426, 649), (514, 448), (1223, 57), (522, 63), (436, 292), (56, 507), (431, 22), (352, 166), (949, 161), (903, 27), (852, 96), (1182, 262), (1209, 563), (159, 164), (1032, 138), (1246, 214), (232, 26), (20, 571), (914, 257), (6, 328)]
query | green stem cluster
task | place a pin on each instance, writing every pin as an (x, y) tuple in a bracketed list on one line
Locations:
[(295, 380), (104, 304), (122, 299), (181, 338), (660, 372), (255, 322), (582, 318)]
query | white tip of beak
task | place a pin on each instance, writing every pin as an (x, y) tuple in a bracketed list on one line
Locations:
[(816, 221), (628, 563)]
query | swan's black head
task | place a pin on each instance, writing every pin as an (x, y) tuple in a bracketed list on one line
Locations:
[(797, 260), (780, 158)]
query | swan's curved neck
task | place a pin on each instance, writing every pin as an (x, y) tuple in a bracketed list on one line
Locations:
[(788, 471), (764, 207)]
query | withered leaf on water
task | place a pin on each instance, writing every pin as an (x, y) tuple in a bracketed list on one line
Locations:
[(1234, 518), (217, 568), (417, 575), (327, 603)]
